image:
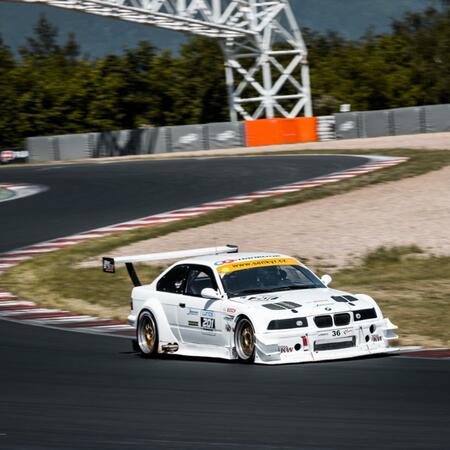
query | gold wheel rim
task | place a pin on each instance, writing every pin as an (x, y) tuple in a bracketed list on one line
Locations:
[(247, 339), (149, 334)]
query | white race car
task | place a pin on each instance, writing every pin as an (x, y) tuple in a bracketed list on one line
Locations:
[(254, 307)]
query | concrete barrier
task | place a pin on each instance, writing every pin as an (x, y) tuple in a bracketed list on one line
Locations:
[(360, 124)]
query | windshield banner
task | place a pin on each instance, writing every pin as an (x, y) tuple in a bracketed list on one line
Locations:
[(242, 265)]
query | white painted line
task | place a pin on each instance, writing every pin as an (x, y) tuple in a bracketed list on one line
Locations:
[(15, 312), (50, 244), (113, 327), (18, 303), (68, 319), (25, 252), (6, 259), (279, 191), (228, 202), (82, 237)]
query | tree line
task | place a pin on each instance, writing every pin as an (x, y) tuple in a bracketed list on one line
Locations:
[(50, 89)]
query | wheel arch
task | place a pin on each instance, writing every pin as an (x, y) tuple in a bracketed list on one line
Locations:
[(155, 308)]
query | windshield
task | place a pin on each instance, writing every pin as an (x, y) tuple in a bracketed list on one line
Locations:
[(275, 278)]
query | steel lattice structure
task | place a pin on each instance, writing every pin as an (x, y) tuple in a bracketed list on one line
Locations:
[(265, 56)]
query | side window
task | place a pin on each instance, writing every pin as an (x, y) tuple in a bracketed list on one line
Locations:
[(198, 279), (173, 281)]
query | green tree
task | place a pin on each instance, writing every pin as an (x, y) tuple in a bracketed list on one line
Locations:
[(8, 108)]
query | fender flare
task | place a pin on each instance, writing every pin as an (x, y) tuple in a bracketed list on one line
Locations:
[(164, 331)]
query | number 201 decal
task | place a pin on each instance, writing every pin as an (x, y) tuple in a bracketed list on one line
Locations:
[(208, 324)]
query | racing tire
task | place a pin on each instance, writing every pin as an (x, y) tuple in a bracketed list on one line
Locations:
[(244, 341), (147, 335)]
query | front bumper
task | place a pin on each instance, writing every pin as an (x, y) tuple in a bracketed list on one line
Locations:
[(306, 345)]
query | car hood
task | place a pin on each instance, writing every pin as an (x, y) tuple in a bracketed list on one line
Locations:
[(305, 302)]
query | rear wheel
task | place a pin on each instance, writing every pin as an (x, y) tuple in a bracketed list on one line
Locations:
[(244, 340), (147, 334)]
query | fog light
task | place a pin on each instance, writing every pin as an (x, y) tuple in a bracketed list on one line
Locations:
[(367, 338), (372, 328)]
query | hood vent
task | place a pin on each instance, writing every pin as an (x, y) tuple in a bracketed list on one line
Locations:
[(273, 306), (344, 298), (339, 299), (282, 305)]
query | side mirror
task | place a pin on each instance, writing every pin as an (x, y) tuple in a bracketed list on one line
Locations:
[(326, 280), (210, 294)]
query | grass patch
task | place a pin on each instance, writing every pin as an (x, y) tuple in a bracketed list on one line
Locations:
[(412, 290), (53, 280)]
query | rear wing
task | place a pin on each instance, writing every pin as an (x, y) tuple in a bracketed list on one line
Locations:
[(109, 263)]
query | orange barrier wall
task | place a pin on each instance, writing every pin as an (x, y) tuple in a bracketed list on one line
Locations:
[(280, 131)]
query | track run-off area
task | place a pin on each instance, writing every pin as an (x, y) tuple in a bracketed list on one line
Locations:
[(63, 390)]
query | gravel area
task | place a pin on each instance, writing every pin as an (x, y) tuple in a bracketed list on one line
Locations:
[(335, 231)]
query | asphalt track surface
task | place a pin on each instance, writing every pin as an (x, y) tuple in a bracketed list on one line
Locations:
[(86, 196), (66, 390)]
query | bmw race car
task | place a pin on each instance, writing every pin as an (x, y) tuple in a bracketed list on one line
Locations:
[(262, 307)]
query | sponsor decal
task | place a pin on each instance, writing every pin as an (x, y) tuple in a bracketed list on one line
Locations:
[(207, 323), (251, 264), (347, 126), (108, 265), (188, 138), (376, 338), (327, 309), (225, 135), (193, 323), (226, 261), (231, 310), (207, 314), (285, 349), (342, 332)]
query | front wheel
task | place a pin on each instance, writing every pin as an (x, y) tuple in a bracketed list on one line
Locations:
[(147, 334), (244, 340)]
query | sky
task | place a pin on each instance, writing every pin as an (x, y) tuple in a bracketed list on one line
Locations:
[(99, 35)]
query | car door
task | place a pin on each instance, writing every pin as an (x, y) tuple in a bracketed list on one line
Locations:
[(200, 320), (170, 289)]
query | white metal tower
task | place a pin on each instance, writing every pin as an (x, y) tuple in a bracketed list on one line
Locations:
[(265, 56)]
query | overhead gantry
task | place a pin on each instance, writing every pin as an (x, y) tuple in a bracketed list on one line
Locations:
[(266, 63)]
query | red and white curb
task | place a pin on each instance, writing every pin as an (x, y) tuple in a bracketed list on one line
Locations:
[(20, 190), (12, 308)]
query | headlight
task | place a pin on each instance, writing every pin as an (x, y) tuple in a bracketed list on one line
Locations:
[(364, 314), (285, 324)]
